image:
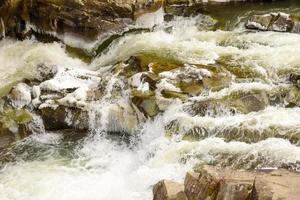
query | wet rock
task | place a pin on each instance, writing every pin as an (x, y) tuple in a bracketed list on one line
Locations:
[(146, 105), (236, 102), (251, 102), (261, 22), (45, 72), (144, 81), (217, 81), (295, 79), (20, 96), (292, 98), (62, 117), (158, 67), (84, 18), (48, 20), (242, 132), (296, 28), (129, 68), (13, 125), (189, 79), (280, 22), (120, 118), (123, 118), (169, 190), (143, 92), (174, 95)]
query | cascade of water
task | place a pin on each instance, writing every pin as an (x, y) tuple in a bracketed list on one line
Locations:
[(202, 130)]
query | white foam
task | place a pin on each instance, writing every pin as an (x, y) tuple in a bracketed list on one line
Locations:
[(20, 58)]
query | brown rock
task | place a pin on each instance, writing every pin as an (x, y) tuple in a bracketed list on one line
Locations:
[(277, 185), (83, 18), (223, 183), (87, 19), (212, 183), (169, 190), (64, 117)]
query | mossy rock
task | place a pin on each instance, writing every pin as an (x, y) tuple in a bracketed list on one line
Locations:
[(293, 97), (173, 95), (128, 68), (13, 125), (141, 94), (148, 105), (193, 87), (158, 63)]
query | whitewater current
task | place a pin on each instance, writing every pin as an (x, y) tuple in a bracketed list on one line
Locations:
[(59, 166)]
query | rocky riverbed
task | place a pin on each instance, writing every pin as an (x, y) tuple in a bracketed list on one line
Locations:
[(99, 97)]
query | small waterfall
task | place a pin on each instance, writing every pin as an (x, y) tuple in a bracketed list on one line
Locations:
[(246, 115), (2, 27)]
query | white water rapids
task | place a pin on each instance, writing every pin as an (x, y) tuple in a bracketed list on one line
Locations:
[(52, 166)]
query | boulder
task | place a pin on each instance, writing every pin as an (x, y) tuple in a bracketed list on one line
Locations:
[(45, 72), (169, 190), (122, 118), (86, 19), (280, 22), (146, 105), (210, 182), (295, 79), (261, 22), (187, 79), (83, 18), (20, 96), (62, 117), (292, 98), (14, 125)]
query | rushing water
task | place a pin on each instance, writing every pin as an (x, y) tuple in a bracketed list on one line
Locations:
[(60, 166)]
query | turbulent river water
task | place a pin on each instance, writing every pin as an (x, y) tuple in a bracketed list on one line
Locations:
[(90, 166)]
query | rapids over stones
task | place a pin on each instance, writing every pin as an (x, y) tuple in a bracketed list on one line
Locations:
[(116, 100)]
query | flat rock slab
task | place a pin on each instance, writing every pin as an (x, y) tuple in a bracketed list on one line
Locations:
[(211, 182), (169, 190)]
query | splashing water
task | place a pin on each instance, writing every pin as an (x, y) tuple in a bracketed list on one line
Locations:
[(57, 165)]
